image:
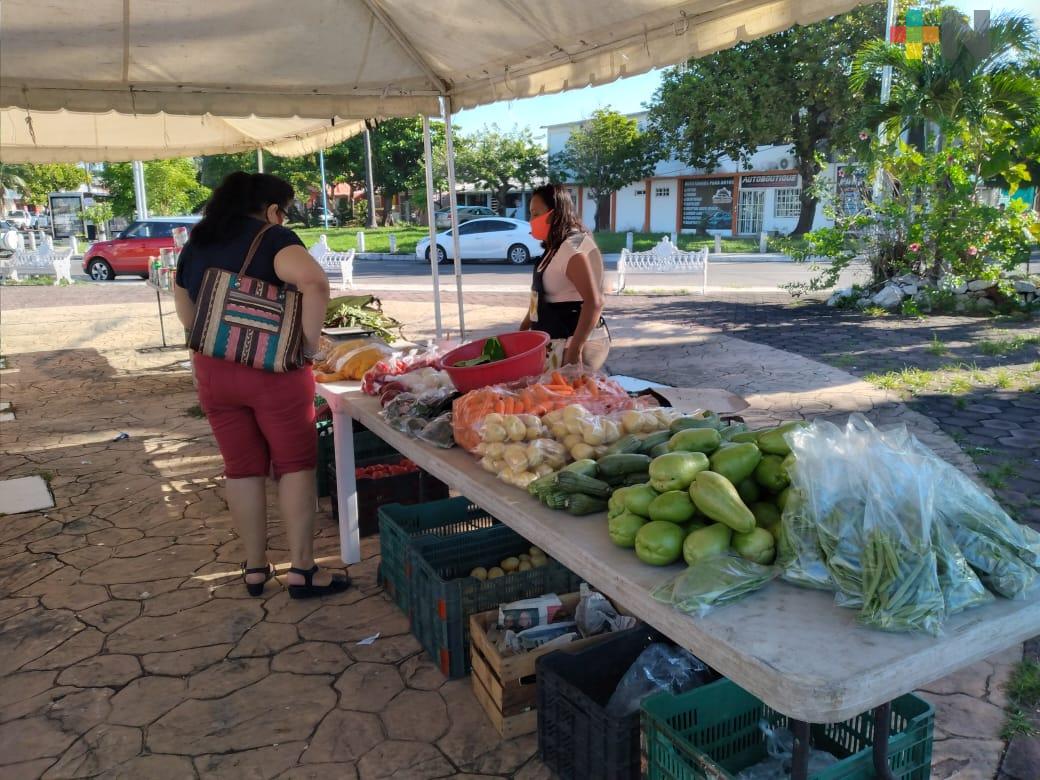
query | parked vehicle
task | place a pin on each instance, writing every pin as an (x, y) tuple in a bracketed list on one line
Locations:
[(442, 218), (41, 222), (20, 219), (487, 238), (131, 250), (316, 217)]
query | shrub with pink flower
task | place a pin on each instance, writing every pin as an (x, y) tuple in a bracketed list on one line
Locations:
[(914, 247)]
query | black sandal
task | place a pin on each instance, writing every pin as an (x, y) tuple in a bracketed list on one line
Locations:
[(257, 588), (310, 590)]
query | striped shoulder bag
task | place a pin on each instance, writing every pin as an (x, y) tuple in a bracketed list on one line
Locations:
[(246, 320)]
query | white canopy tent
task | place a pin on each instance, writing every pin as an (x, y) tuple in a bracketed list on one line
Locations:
[(119, 79)]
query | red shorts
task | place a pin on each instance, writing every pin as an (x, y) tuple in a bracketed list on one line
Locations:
[(259, 419)]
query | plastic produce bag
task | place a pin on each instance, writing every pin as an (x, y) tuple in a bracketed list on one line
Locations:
[(596, 615), (658, 668), (780, 749), (713, 582), (901, 589), (438, 432)]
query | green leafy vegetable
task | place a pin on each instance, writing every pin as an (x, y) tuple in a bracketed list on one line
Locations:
[(491, 353)]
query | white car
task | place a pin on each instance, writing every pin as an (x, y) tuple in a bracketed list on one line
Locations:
[(20, 219), (488, 238)]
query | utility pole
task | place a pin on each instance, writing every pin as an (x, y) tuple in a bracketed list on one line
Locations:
[(324, 190), (370, 185), (140, 194), (259, 160)]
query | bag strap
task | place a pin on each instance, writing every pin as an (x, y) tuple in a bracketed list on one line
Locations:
[(253, 247)]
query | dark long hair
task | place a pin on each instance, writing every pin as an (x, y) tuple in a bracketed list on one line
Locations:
[(564, 220), (240, 194)]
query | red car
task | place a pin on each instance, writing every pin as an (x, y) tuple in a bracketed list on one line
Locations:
[(130, 251)]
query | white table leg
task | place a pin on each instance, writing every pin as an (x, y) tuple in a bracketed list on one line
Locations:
[(346, 488)]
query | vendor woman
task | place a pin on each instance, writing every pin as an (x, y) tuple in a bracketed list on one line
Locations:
[(567, 291)]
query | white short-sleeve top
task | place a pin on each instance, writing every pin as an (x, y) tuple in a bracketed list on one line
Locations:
[(558, 288)]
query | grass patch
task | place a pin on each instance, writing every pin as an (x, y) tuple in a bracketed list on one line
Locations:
[(960, 403), (656, 291), (876, 311), (46, 475), (1016, 724), (844, 361), (195, 411), (44, 280), (1007, 346), (937, 348), (378, 240), (954, 379), (1023, 690), (998, 477)]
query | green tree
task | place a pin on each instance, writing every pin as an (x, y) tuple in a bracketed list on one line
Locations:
[(606, 153), (974, 79), (39, 180), (172, 187), (214, 167), (786, 88), (499, 160), (11, 178)]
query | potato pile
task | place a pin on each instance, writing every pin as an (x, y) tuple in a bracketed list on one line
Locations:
[(532, 559)]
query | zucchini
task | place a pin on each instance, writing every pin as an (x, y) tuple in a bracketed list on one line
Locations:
[(613, 465), (659, 450), (625, 444), (542, 484), (636, 478), (654, 439), (708, 420), (586, 466), (569, 482), (556, 499), (581, 504)]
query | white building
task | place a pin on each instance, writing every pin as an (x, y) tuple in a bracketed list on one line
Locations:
[(728, 200)]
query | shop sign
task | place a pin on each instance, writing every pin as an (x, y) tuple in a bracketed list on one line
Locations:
[(768, 180), (707, 204)]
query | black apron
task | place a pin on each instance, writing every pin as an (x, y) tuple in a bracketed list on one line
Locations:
[(559, 320)]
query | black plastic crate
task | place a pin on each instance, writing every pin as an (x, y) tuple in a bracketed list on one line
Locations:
[(415, 487), (443, 595), (577, 739), (402, 524)]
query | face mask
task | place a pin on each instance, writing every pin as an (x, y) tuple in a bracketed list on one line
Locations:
[(540, 226)]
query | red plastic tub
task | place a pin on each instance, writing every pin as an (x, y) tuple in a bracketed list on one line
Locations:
[(525, 356)]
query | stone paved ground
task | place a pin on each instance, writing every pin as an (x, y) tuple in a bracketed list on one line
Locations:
[(128, 647)]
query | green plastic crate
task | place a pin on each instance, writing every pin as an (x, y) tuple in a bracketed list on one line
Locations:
[(400, 526), (443, 595), (712, 732), (326, 456)]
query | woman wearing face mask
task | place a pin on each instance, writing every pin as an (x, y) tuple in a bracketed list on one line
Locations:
[(567, 291), (262, 421)]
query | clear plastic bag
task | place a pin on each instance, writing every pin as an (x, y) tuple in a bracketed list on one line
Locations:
[(596, 615), (658, 668), (438, 432), (713, 582), (780, 750)]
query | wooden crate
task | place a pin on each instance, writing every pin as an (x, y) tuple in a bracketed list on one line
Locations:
[(505, 686)]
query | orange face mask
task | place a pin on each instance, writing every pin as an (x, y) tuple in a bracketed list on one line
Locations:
[(540, 225)]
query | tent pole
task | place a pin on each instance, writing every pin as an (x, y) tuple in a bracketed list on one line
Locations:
[(324, 190), (140, 194), (370, 187), (431, 217), (259, 160), (453, 204)]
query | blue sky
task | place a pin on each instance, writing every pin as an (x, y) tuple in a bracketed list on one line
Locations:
[(627, 95)]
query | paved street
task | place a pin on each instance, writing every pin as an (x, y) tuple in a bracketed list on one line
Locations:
[(408, 275)]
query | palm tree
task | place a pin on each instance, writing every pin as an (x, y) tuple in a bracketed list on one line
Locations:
[(975, 81), (10, 179)]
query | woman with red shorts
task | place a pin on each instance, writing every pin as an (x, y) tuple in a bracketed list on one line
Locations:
[(263, 422)]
